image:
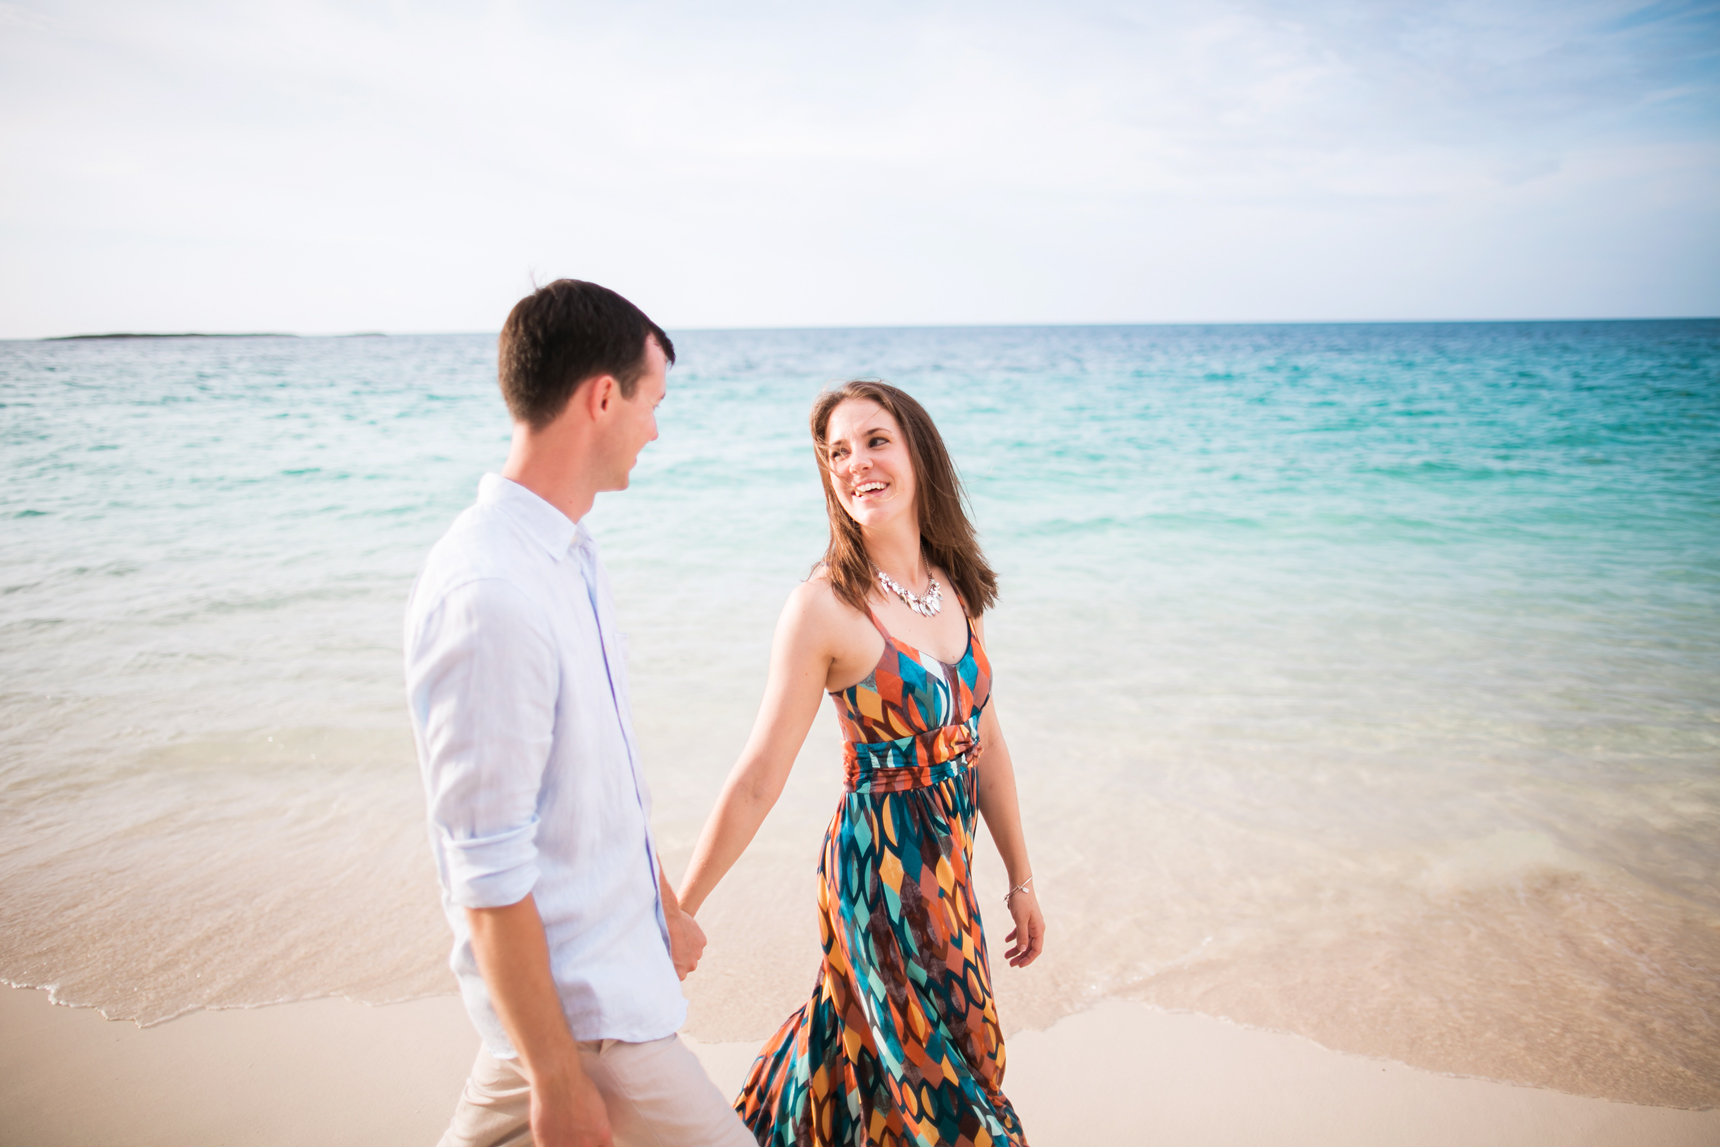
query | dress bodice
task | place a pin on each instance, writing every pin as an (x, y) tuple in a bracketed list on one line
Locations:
[(914, 720)]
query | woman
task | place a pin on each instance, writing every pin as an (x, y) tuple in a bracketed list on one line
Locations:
[(900, 1042)]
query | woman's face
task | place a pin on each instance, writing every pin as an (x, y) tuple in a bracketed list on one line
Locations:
[(869, 465)]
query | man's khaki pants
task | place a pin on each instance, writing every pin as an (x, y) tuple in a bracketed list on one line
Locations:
[(657, 1095)]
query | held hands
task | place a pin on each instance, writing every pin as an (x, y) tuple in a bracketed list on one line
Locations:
[(1027, 939), (686, 941)]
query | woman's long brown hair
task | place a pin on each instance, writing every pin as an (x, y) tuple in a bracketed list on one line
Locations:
[(947, 537)]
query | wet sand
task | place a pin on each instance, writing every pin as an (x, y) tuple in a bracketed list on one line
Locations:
[(333, 1073)]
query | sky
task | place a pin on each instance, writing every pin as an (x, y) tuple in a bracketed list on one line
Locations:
[(287, 165)]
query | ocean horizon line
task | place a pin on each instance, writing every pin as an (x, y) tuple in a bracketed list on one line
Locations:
[(1166, 324)]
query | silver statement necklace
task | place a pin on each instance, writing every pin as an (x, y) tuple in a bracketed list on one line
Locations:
[(926, 604)]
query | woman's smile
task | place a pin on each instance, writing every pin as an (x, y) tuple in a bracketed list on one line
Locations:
[(868, 460)]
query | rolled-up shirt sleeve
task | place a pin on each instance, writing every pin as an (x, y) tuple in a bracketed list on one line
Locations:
[(482, 678)]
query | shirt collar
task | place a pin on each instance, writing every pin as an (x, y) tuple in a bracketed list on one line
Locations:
[(548, 526)]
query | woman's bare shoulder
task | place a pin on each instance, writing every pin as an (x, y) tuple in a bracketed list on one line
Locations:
[(816, 618), (815, 598), (814, 604)]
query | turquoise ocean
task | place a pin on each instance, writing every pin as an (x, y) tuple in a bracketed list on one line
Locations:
[(1363, 680)]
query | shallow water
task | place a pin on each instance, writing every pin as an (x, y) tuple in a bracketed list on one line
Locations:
[(1364, 681)]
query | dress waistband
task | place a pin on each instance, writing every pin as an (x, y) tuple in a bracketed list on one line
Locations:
[(915, 762)]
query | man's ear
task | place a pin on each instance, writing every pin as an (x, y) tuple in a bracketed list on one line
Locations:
[(604, 393)]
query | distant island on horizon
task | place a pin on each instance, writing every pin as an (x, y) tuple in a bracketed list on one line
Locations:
[(202, 335), (172, 335)]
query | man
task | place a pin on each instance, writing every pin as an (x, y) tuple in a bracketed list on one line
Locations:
[(568, 942)]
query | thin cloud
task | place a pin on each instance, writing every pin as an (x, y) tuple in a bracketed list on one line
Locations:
[(399, 166)]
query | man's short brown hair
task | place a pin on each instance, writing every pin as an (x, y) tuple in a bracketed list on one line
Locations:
[(564, 333)]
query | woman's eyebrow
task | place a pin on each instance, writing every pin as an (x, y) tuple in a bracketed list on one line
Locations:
[(835, 439)]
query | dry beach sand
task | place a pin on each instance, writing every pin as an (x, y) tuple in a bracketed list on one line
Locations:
[(333, 1073)]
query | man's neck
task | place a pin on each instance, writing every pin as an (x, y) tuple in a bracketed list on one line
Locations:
[(553, 470)]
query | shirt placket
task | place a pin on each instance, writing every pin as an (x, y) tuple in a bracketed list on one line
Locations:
[(588, 572)]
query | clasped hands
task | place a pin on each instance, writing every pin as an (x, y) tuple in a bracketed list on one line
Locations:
[(686, 940)]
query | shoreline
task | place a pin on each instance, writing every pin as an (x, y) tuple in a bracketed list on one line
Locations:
[(335, 1072)]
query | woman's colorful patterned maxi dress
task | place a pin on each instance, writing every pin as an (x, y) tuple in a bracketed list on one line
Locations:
[(899, 1044)]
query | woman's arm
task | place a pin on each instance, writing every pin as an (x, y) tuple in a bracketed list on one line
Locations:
[(800, 660), (1002, 812)]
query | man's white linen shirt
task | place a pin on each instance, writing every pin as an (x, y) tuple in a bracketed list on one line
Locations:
[(517, 681)]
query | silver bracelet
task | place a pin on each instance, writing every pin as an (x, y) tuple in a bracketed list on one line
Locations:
[(1010, 895)]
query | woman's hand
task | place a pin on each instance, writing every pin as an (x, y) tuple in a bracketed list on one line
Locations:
[(686, 940), (1002, 812), (1027, 939)]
